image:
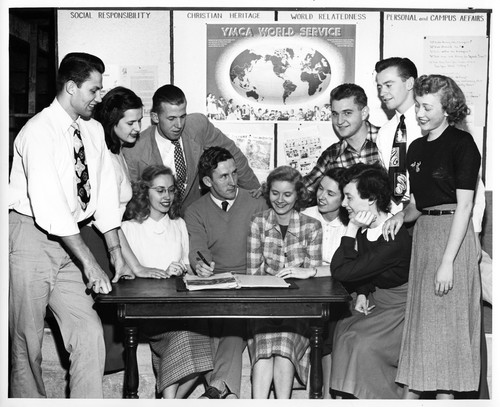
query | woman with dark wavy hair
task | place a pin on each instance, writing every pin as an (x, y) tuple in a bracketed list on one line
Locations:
[(366, 344), (286, 243), (181, 351), (120, 114), (440, 352)]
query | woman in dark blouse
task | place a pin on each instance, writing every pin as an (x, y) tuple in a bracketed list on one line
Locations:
[(366, 345), (440, 347)]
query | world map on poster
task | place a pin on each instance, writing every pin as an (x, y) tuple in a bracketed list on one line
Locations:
[(261, 77)]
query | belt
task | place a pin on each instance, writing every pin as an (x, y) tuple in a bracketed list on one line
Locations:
[(437, 212)]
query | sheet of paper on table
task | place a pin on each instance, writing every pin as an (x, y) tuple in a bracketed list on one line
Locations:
[(230, 280)]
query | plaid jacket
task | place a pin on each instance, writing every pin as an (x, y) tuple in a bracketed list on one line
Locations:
[(342, 155), (268, 252)]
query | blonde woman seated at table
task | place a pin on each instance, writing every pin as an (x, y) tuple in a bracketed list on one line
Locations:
[(286, 243), (181, 351), (334, 219)]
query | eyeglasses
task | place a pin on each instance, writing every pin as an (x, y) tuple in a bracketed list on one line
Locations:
[(163, 190)]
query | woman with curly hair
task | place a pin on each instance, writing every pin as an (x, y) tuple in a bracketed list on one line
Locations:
[(181, 350), (286, 243), (441, 339), (366, 345), (120, 114)]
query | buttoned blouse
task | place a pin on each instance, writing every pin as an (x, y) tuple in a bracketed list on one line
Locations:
[(268, 252)]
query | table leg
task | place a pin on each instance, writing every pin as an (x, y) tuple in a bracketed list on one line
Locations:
[(316, 374), (131, 382)]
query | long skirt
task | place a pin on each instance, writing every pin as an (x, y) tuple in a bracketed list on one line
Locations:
[(179, 353), (282, 337), (441, 338), (366, 347)]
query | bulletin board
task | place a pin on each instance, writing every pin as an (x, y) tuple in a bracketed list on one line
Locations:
[(278, 66), (133, 44)]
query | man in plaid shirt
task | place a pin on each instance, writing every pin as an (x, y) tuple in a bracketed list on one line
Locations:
[(357, 135)]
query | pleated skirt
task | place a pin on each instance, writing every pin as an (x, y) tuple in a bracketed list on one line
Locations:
[(283, 337), (366, 347), (441, 337), (179, 354)]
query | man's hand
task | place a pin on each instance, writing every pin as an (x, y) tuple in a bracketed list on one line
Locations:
[(392, 225), (97, 280), (256, 193), (203, 270)]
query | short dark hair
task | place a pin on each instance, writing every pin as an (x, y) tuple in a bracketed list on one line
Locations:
[(372, 182), (77, 67), (209, 161), (452, 97), (289, 174), (346, 90), (337, 174), (112, 109), (139, 207), (406, 67), (167, 94)]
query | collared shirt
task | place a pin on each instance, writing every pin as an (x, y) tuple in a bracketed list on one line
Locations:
[(42, 180), (332, 233), (342, 155), (167, 151), (268, 252), (218, 201)]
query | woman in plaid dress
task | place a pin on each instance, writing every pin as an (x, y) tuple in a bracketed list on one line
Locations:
[(285, 243)]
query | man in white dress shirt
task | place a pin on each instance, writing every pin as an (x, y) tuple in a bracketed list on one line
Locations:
[(61, 176)]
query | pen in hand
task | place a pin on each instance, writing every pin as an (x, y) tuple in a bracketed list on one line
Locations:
[(203, 258)]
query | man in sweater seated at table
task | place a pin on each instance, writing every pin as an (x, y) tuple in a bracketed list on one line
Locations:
[(218, 224)]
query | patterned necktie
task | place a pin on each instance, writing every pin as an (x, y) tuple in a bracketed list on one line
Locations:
[(397, 164), (81, 168), (224, 205), (180, 166)]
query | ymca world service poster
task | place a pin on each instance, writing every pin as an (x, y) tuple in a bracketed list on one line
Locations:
[(276, 71)]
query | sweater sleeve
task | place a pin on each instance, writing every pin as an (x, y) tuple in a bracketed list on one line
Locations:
[(349, 265), (198, 239)]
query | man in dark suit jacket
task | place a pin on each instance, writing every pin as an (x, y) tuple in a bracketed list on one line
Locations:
[(195, 133)]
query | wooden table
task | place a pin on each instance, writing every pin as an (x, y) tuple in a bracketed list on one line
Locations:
[(141, 300)]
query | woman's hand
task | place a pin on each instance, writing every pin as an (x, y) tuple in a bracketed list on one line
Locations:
[(392, 225), (363, 304), (176, 268), (297, 272), (363, 219), (444, 279), (150, 272)]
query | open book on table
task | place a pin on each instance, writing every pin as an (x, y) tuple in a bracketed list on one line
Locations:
[(230, 280)]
